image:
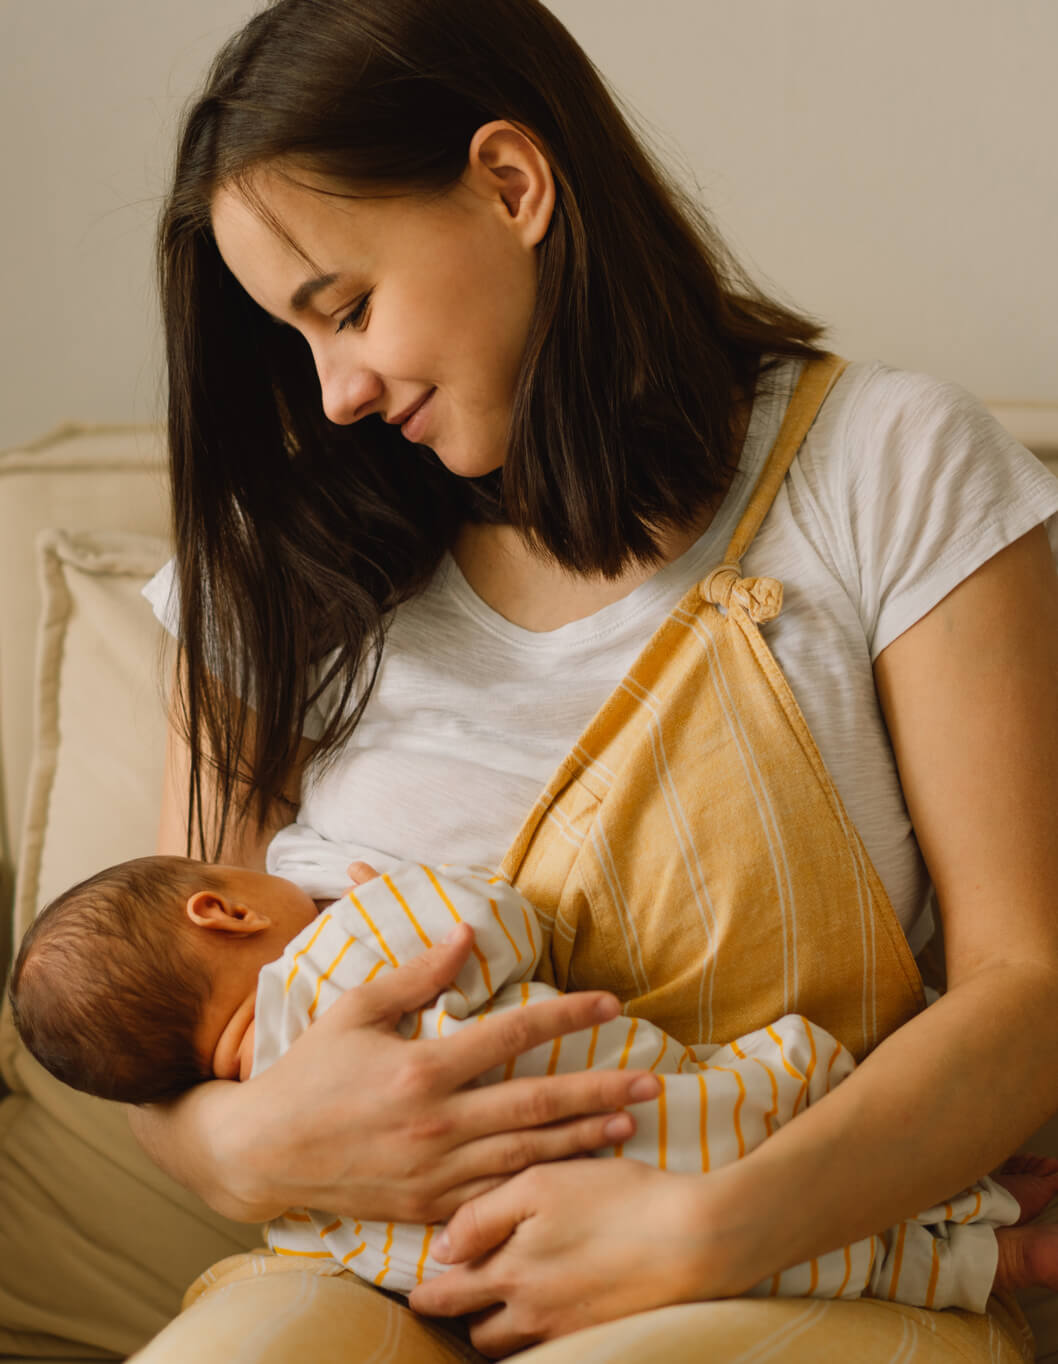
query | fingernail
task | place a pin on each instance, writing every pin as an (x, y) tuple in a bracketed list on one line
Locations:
[(452, 934), (646, 1087), (607, 1007), (618, 1127), (440, 1247)]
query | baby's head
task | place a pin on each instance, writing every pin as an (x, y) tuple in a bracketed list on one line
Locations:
[(140, 982)]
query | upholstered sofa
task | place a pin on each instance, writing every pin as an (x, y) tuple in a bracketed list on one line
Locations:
[(96, 1245)]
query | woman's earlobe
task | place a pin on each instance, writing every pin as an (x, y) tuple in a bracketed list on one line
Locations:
[(214, 911)]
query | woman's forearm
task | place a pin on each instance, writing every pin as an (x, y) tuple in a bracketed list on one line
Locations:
[(185, 1138), (968, 696), (942, 1101)]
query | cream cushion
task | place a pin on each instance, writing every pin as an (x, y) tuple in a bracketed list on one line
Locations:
[(99, 742), (81, 478), (96, 1244)]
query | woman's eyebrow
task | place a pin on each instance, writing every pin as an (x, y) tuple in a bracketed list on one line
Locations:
[(299, 300)]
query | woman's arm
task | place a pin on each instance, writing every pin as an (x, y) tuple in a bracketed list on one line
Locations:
[(970, 695), (244, 844), (356, 1119)]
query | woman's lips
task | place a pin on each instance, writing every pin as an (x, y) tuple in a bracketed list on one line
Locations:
[(412, 427)]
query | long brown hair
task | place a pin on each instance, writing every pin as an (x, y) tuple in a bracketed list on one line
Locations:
[(296, 537)]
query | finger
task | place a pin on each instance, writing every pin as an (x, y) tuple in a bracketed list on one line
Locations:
[(410, 986), (493, 1335), (480, 1166), (508, 1153), (482, 1224), (359, 872), (456, 1293), (449, 1203), (498, 1037), (518, 1106)]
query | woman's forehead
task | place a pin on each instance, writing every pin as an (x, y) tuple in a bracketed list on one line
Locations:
[(267, 202), (310, 215)]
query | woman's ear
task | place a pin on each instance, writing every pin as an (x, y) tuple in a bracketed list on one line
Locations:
[(211, 909), (505, 162)]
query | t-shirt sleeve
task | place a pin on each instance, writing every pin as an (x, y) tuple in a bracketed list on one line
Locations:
[(932, 487), (164, 596), (161, 592)]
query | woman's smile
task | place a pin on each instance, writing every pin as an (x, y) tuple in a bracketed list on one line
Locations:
[(413, 427)]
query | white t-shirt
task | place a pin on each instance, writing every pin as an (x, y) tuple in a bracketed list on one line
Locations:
[(902, 489)]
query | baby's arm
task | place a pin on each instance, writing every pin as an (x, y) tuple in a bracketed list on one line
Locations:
[(409, 909), (386, 921)]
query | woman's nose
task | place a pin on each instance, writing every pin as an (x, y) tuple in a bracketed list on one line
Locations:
[(349, 392)]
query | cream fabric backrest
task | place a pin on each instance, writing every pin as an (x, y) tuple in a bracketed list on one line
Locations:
[(96, 1245), (77, 478)]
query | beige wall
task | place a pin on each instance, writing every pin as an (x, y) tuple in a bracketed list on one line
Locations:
[(888, 164)]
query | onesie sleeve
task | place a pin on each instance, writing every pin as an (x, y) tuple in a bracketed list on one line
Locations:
[(385, 923), (318, 865), (926, 486), (404, 912)]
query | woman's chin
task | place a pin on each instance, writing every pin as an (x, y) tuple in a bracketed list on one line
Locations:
[(467, 463)]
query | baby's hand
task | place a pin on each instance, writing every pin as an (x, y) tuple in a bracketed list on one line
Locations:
[(359, 872)]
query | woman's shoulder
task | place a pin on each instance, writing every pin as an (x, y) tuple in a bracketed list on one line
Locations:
[(874, 403), (883, 424), (911, 484), (890, 432)]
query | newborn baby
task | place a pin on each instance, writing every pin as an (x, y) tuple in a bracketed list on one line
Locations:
[(161, 972)]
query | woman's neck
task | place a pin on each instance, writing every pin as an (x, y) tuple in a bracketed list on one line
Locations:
[(540, 595), (537, 594)]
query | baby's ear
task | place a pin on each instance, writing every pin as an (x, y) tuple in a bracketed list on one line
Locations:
[(213, 910)]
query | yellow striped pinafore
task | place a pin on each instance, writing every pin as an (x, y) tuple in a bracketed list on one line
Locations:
[(692, 853)]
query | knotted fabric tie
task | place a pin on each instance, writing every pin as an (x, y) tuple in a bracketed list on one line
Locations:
[(760, 598)]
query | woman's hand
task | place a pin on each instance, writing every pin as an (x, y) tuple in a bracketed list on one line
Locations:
[(358, 1120), (562, 1247)]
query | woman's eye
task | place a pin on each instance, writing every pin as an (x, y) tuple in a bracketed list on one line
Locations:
[(355, 317)]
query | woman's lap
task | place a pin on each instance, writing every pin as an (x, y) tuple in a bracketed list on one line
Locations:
[(260, 1309), (263, 1309), (801, 1330)]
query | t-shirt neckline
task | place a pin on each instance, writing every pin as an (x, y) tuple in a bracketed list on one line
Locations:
[(670, 581)]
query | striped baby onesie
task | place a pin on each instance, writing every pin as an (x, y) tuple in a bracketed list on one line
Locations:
[(716, 1104)]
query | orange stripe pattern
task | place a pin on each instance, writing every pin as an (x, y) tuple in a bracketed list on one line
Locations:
[(717, 1103)]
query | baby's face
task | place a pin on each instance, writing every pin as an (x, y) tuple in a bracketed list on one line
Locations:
[(238, 928)]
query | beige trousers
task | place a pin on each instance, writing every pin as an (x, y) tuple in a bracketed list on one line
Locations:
[(260, 1309)]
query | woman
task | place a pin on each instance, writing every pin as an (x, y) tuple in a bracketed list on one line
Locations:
[(445, 527)]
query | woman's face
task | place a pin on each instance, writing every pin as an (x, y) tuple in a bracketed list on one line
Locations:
[(409, 305)]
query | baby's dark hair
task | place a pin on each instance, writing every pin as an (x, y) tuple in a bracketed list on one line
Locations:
[(105, 994)]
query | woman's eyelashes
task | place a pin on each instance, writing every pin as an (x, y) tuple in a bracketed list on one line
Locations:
[(357, 314)]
